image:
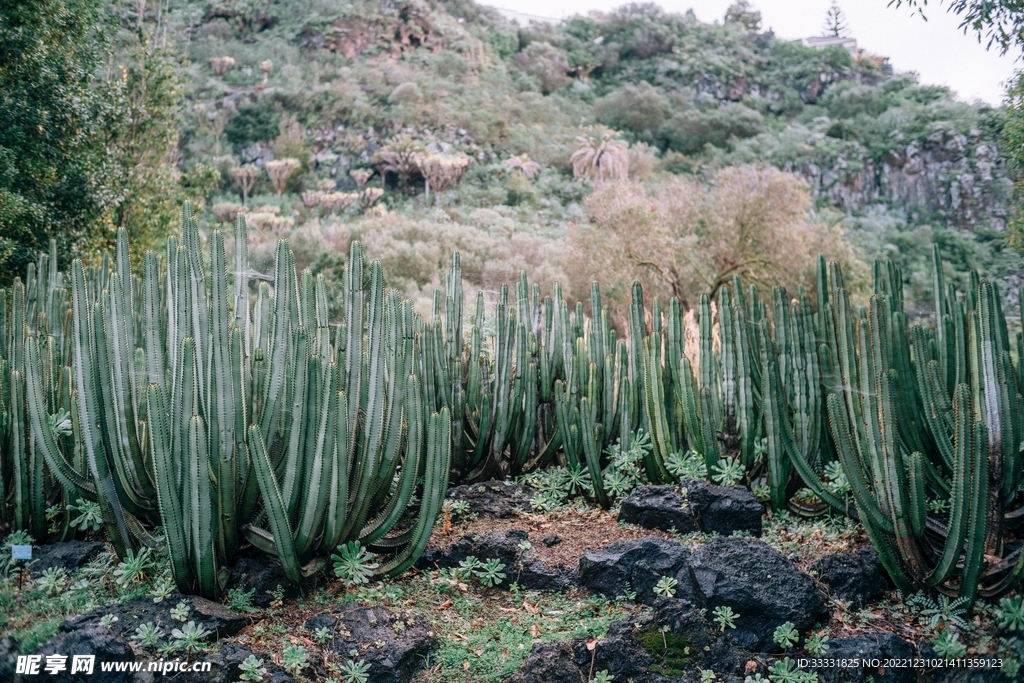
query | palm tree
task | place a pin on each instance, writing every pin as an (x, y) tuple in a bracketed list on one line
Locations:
[(601, 156)]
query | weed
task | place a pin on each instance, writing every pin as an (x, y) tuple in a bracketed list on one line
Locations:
[(241, 600), (163, 588), (948, 645), (180, 611), (355, 672), (147, 635), (294, 658), (934, 614), (353, 563), (728, 472), (666, 586), (817, 645), (52, 580), (1011, 613), (491, 574), (190, 636), (725, 617), (787, 671), (89, 518), (786, 636), (133, 570), (252, 669)]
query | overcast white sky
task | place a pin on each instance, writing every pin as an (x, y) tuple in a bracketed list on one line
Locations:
[(937, 49)]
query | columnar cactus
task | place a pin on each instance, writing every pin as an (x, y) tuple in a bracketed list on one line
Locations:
[(184, 399), (926, 415), (191, 407)]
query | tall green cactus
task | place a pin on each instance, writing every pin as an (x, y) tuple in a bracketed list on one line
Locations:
[(905, 437), (191, 407), (231, 416), (35, 310)]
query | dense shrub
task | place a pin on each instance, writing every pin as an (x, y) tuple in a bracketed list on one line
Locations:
[(688, 237), (547, 64), (405, 92), (639, 109), (253, 123), (690, 130)]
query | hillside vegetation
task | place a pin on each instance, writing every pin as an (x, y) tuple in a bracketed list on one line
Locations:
[(494, 112)]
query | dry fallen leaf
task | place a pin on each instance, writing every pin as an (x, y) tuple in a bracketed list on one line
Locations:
[(535, 631), (465, 664), (446, 604), (591, 644)]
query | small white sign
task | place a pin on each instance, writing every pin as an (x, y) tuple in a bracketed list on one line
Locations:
[(21, 552)]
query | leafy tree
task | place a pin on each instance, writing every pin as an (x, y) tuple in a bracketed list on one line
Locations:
[(688, 237), (744, 14), (548, 64), (504, 43), (54, 169), (144, 139), (88, 106), (253, 123)]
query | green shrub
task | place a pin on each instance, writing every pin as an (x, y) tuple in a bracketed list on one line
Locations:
[(405, 93), (253, 123), (547, 64), (690, 130), (639, 109), (504, 43)]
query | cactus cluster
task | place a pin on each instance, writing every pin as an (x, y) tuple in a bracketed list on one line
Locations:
[(228, 414), (220, 416), (928, 423), (39, 306)]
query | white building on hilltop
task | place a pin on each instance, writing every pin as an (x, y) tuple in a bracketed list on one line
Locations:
[(821, 42)]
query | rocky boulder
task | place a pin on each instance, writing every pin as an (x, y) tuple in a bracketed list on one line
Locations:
[(658, 507), (723, 510), (128, 616), (551, 661), (760, 585), (879, 646), (500, 499), (224, 668), (393, 644), (855, 578), (263, 575), (522, 565), (635, 565), (68, 556), (9, 651), (103, 644), (694, 505), (673, 643)]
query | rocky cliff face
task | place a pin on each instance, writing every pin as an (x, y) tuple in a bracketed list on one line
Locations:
[(957, 177)]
